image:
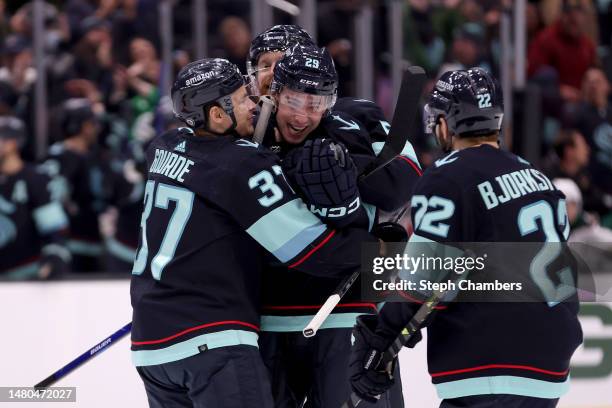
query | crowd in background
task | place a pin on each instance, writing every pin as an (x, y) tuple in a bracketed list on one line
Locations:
[(107, 52)]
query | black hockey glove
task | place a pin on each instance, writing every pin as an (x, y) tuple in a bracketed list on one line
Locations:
[(369, 376), (326, 176)]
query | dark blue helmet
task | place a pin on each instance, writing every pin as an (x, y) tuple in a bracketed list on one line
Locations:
[(470, 100), (277, 38), (201, 84), (75, 112), (11, 127), (306, 69)]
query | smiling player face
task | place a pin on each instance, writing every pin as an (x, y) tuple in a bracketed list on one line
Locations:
[(265, 70), (299, 114)]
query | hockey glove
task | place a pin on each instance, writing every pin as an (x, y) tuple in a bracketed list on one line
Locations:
[(369, 375), (326, 176)]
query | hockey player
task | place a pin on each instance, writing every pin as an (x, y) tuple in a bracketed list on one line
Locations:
[(212, 201), (32, 221), (268, 47), (307, 134), (74, 161), (480, 354)]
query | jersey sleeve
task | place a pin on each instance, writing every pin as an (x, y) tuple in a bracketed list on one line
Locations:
[(257, 196), (49, 217), (390, 187), (48, 213)]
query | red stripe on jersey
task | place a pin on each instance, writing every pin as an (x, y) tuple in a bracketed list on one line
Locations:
[(313, 250), (297, 307), (202, 326), (492, 366), (413, 164)]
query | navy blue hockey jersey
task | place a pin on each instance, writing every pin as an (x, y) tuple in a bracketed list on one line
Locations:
[(484, 194), (30, 219), (290, 301), (212, 204)]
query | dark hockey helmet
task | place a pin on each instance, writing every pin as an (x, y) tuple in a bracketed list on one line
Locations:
[(307, 69), (74, 113), (203, 83), (470, 100), (11, 127), (277, 38)]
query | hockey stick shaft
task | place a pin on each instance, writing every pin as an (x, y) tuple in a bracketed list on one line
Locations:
[(402, 125), (404, 117), (86, 356), (403, 338), (267, 106), (315, 324)]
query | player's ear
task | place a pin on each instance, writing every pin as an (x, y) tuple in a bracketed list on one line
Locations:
[(216, 115)]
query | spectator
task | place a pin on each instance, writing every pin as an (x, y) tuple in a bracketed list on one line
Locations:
[(75, 161), (584, 226), (93, 53), (136, 90), (4, 21), (572, 153), (533, 21), (566, 48), (422, 45), (31, 220), (17, 69), (236, 38), (134, 19), (466, 50), (593, 117)]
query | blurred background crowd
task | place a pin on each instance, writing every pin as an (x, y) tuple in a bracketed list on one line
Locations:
[(104, 98)]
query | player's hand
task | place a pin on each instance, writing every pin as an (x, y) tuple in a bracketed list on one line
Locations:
[(368, 380), (324, 172)]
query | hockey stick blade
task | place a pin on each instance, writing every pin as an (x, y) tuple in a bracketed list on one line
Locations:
[(86, 356), (404, 117)]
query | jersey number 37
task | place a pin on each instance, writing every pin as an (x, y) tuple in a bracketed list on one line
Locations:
[(161, 198)]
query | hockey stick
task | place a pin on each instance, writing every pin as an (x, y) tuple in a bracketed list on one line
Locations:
[(386, 359), (86, 356), (402, 125), (267, 106), (404, 117)]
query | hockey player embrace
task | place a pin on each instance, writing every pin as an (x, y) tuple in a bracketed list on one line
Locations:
[(484, 355), (213, 202), (323, 152)]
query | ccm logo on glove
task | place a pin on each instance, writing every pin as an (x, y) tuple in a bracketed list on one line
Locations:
[(335, 212)]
